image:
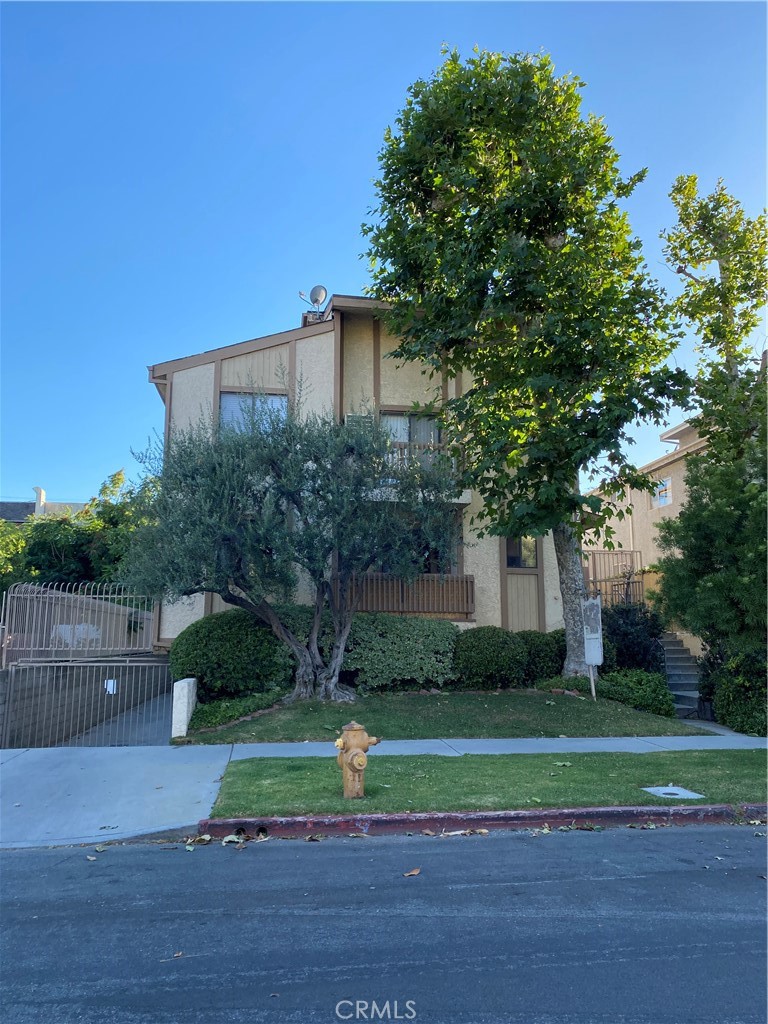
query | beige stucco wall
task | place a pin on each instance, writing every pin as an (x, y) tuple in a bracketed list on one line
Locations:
[(403, 383), (192, 396), (482, 559), (358, 363), (638, 531), (177, 616), (315, 371)]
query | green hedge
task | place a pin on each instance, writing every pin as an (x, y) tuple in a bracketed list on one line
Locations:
[(386, 652), (634, 630), (644, 691), (740, 690), (489, 658), (545, 654), (231, 655)]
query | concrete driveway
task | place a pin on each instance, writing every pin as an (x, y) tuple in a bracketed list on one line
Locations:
[(58, 795)]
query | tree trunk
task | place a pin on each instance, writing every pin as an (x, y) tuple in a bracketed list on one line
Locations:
[(329, 687), (304, 680), (572, 590)]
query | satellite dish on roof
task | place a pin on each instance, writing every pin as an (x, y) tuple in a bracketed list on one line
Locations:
[(317, 295)]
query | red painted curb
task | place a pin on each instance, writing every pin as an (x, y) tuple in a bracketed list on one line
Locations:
[(383, 824)]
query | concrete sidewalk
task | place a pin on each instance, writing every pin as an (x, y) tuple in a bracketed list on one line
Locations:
[(61, 795)]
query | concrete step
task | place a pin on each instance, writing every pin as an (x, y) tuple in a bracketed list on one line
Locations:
[(686, 700), (682, 673), (686, 713)]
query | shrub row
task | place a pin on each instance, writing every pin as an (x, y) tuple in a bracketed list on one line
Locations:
[(232, 655), (644, 691), (735, 677)]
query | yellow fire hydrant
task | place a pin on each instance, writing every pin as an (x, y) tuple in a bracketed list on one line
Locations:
[(352, 758)]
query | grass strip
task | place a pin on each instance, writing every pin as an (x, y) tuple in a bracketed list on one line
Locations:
[(508, 714), (267, 787)]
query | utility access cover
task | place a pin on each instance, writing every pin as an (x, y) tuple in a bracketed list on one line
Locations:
[(673, 792)]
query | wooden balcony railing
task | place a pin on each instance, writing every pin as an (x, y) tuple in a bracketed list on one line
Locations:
[(403, 453), (432, 595)]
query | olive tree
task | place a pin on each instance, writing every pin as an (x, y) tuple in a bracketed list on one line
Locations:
[(291, 501), (502, 253)]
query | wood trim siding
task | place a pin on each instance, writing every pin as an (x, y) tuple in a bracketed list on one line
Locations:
[(338, 366), (376, 363), (241, 348)]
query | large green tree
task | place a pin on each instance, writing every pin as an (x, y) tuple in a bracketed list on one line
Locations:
[(85, 546), (253, 513), (502, 252), (714, 564)]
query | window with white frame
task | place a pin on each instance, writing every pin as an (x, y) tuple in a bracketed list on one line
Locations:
[(663, 493), (237, 407)]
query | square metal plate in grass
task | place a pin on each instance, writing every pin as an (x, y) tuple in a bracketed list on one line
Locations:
[(673, 792)]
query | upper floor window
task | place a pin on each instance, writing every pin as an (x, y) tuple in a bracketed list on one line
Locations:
[(663, 493), (235, 407), (411, 430), (521, 553)]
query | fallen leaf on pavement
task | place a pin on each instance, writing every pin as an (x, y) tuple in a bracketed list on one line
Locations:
[(359, 835), (190, 847), (99, 849), (230, 839), (427, 832), (313, 839), (412, 873), (90, 858), (546, 830), (458, 832), (102, 827)]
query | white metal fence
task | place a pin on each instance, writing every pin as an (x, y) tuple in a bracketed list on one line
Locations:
[(96, 703), (73, 621)]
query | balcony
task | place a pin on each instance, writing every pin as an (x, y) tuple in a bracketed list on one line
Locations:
[(432, 595), (404, 453)]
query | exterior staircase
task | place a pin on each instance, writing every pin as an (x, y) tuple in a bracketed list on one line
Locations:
[(682, 675)]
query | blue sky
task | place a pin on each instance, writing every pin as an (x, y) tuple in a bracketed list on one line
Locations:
[(173, 175)]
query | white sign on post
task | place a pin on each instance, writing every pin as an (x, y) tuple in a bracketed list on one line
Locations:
[(591, 611)]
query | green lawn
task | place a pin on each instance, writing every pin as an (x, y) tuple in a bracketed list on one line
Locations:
[(265, 787), (409, 716)]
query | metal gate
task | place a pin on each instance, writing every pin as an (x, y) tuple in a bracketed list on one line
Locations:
[(113, 703), (60, 621), (78, 670)]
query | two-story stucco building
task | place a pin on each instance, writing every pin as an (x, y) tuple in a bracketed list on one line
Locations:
[(339, 354), (638, 530)]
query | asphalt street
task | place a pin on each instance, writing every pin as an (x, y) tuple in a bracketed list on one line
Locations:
[(623, 926)]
